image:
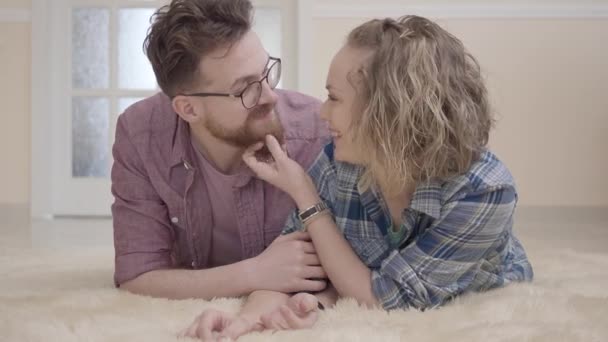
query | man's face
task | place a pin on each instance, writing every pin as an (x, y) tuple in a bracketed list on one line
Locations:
[(230, 70)]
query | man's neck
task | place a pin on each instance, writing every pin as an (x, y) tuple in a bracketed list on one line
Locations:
[(226, 158)]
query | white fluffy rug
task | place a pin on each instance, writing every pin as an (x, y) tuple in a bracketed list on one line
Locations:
[(51, 295)]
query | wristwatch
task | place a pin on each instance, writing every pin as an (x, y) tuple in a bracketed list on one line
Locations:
[(311, 212)]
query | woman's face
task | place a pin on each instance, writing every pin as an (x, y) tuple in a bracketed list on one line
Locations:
[(338, 108)]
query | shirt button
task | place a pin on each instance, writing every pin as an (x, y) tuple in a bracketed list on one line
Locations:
[(193, 264), (174, 219)]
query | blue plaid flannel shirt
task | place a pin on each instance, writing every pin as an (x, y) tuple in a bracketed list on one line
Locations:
[(458, 233)]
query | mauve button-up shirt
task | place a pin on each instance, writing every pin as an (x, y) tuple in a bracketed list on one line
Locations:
[(162, 214)]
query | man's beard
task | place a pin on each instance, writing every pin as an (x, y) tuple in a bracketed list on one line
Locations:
[(251, 131)]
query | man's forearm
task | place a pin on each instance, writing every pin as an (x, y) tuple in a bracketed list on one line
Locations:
[(225, 281)]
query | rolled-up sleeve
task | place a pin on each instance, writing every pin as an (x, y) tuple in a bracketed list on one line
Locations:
[(450, 257), (142, 233)]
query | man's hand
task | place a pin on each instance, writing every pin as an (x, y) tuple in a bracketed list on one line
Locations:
[(289, 264), (214, 325), (300, 312)]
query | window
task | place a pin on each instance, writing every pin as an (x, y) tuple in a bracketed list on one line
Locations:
[(91, 66)]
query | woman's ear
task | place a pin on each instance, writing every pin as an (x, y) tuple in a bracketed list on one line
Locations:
[(184, 107)]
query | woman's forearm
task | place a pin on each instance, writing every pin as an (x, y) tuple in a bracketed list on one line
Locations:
[(350, 276)]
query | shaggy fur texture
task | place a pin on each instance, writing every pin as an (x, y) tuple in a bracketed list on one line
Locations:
[(50, 295)]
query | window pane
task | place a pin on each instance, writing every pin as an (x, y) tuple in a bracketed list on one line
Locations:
[(125, 102), (90, 48), (134, 70), (90, 137)]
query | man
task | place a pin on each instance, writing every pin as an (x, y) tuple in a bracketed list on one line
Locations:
[(190, 219)]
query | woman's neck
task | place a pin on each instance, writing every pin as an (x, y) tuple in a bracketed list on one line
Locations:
[(397, 202)]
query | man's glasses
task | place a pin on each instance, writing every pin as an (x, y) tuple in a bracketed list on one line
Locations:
[(250, 96)]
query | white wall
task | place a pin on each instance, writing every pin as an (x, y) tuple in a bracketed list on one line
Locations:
[(547, 79)]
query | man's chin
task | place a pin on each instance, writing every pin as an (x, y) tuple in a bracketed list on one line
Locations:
[(260, 130), (263, 116)]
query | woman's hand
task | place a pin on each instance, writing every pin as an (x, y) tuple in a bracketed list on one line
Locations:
[(283, 172)]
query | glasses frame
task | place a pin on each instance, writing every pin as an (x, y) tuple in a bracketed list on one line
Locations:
[(272, 61)]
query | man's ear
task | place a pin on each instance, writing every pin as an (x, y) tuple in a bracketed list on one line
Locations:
[(184, 107)]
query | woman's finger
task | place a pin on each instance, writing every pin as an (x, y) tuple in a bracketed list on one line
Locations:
[(275, 148), (249, 153), (263, 170), (254, 148)]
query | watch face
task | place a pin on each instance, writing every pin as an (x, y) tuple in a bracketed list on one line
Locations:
[(312, 211)]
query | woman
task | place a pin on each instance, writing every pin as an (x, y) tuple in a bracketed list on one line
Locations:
[(418, 210)]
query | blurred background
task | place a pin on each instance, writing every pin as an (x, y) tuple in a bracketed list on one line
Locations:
[(68, 68)]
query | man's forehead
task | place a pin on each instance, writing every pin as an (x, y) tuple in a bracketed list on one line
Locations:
[(226, 71), (227, 64)]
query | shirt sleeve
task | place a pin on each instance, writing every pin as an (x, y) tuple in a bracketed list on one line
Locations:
[(142, 233), (450, 257), (322, 173)]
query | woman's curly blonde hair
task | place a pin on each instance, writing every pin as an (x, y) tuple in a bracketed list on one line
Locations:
[(425, 112)]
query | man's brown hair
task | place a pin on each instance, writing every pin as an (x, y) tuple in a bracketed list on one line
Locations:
[(185, 31)]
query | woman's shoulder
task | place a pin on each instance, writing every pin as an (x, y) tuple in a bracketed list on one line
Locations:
[(326, 162), (326, 169), (488, 173)]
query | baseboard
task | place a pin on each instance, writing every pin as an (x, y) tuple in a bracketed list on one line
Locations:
[(562, 214)]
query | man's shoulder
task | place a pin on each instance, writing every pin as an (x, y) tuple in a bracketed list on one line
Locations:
[(299, 115), (148, 116)]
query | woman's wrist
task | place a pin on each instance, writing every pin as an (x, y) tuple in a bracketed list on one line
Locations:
[(307, 200), (306, 196)]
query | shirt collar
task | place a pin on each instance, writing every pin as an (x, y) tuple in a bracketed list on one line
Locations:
[(182, 149)]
